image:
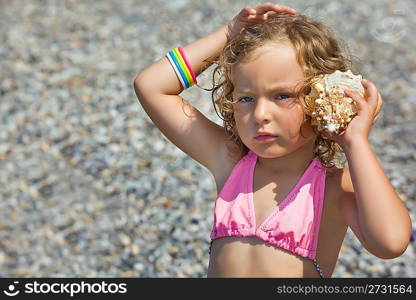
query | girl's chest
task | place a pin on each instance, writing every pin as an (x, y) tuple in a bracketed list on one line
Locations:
[(268, 195), (332, 226), (271, 195)]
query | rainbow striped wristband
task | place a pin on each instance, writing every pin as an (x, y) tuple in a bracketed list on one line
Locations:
[(182, 67)]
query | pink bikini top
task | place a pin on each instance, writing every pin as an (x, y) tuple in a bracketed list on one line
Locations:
[(294, 223)]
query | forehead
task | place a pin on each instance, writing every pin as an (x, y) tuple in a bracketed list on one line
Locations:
[(272, 65)]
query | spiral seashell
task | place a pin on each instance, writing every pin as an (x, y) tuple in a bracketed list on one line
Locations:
[(329, 108)]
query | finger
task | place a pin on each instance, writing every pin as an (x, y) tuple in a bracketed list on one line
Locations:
[(265, 7), (379, 106), (380, 102), (361, 103), (246, 11), (288, 9), (378, 117), (372, 93), (271, 14)]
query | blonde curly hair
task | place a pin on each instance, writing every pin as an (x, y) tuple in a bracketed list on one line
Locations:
[(317, 52)]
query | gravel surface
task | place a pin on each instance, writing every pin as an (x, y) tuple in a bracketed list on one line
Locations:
[(90, 186)]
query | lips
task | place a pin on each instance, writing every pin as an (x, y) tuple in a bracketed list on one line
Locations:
[(264, 133), (265, 138)]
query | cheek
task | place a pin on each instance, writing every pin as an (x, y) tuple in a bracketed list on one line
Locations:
[(307, 129), (296, 123), (295, 116), (240, 117), (237, 120), (293, 128), (240, 125)]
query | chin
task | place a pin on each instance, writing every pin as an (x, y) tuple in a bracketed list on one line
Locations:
[(269, 152)]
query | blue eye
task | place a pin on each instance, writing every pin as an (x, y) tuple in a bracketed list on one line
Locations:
[(240, 100), (288, 96), (284, 95)]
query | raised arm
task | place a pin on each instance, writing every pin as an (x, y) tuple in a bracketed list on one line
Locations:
[(371, 206), (158, 87), (160, 78)]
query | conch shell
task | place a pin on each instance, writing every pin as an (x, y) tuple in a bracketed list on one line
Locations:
[(329, 108)]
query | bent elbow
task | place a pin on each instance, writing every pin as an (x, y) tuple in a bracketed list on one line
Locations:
[(137, 81), (138, 85), (393, 252), (396, 245)]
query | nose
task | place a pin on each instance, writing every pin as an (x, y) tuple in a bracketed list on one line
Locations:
[(262, 110)]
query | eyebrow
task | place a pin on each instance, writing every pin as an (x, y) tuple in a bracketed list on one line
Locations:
[(280, 87)]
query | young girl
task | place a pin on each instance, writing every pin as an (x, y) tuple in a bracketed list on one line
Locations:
[(283, 209)]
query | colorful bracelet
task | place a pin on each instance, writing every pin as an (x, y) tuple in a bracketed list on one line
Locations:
[(182, 67)]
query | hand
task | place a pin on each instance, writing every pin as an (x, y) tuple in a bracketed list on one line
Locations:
[(248, 16), (368, 113)]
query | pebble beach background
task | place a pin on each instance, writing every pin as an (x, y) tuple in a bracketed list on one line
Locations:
[(89, 185)]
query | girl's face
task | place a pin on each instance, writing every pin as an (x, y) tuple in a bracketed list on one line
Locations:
[(264, 90)]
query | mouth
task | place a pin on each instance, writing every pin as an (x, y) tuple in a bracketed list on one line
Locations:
[(265, 138)]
